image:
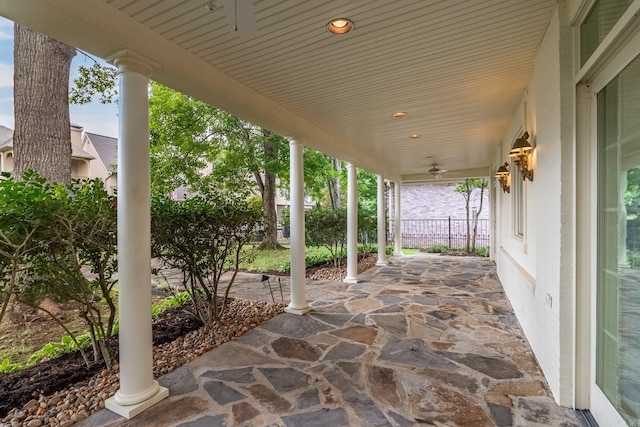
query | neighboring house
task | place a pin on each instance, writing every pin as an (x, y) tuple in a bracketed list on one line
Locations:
[(92, 155), (105, 149)]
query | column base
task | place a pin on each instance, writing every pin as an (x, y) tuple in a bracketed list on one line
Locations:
[(381, 264), (350, 280), (130, 411), (398, 253), (297, 311)]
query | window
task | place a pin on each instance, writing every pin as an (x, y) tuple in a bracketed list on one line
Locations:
[(618, 245), (517, 188), (601, 18)]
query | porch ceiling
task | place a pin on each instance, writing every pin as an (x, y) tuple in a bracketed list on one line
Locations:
[(457, 67)]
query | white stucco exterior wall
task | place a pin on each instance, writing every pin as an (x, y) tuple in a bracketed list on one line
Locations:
[(537, 270)]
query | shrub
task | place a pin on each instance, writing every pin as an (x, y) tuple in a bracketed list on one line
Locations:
[(327, 227), (70, 228), (438, 249), (24, 209), (203, 237)]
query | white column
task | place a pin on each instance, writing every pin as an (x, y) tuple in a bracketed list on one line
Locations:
[(138, 390), (298, 304), (382, 232), (352, 224), (397, 250)]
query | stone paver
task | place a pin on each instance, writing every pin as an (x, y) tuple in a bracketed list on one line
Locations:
[(427, 340)]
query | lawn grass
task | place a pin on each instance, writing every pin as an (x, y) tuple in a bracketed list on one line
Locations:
[(264, 260), (410, 251)]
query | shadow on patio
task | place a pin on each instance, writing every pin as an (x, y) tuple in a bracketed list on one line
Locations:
[(427, 340)]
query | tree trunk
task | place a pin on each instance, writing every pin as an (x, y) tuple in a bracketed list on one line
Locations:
[(270, 239), (42, 136), (475, 224), (333, 183)]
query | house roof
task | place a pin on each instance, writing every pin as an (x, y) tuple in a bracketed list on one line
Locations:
[(6, 143), (458, 68), (107, 149), (6, 138)]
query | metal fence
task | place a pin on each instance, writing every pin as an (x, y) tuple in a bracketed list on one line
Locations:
[(450, 232)]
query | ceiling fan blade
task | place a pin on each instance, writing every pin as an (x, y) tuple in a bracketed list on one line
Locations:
[(240, 17)]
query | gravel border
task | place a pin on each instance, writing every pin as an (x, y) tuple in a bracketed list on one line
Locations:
[(75, 403)]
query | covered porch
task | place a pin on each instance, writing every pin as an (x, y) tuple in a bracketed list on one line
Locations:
[(427, 340)]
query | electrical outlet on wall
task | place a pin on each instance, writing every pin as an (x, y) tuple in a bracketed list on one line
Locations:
[(549, 300)]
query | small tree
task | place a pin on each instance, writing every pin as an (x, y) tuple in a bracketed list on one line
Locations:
[(466, 188), (482, 184), (203, 237), (327, 227)]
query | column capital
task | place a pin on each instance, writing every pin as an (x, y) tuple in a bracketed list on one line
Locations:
[(296, 140), (127, 60)]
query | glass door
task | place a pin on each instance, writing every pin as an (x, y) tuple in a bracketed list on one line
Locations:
[(617, 334)]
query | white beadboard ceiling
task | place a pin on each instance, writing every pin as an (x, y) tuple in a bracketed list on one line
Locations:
[(458, 68)]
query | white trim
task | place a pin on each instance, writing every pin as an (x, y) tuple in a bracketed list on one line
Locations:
[(607, 62), (602, 410), (585, 234), (613, 43)]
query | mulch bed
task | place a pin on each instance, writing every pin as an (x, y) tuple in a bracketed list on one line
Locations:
[(47, 377)]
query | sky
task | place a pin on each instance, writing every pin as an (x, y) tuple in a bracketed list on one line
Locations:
[(94, 117)]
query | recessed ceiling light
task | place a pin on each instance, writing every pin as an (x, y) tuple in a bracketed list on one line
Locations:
[(340, 26), (399, 114), (414, 136)]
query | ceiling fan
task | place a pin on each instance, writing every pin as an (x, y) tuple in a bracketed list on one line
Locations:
[(240, 16), (436, 171)]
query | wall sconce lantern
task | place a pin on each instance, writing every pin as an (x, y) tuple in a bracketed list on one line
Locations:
[(520, 152), (503, 177)]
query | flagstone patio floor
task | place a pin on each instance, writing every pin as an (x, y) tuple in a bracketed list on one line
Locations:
[(427, 340)]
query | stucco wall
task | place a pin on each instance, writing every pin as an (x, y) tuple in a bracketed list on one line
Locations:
[(530, 268)]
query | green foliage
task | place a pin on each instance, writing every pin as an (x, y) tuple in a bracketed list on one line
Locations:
[(482, 251), (327, 227), (184, 140), (438, 249), (6, 367), (53, 349), (65, 230), (318, 171), (203, 237), (176, 300), (97, 80), (310, 260), (633, 259), (25, 212), (67, 344), (632, 192), (446, 250), (466, 189)]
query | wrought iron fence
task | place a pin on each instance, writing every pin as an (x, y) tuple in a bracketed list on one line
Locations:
[(450, 232)]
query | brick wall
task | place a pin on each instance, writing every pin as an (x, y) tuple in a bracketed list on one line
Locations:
[(435, 201)]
